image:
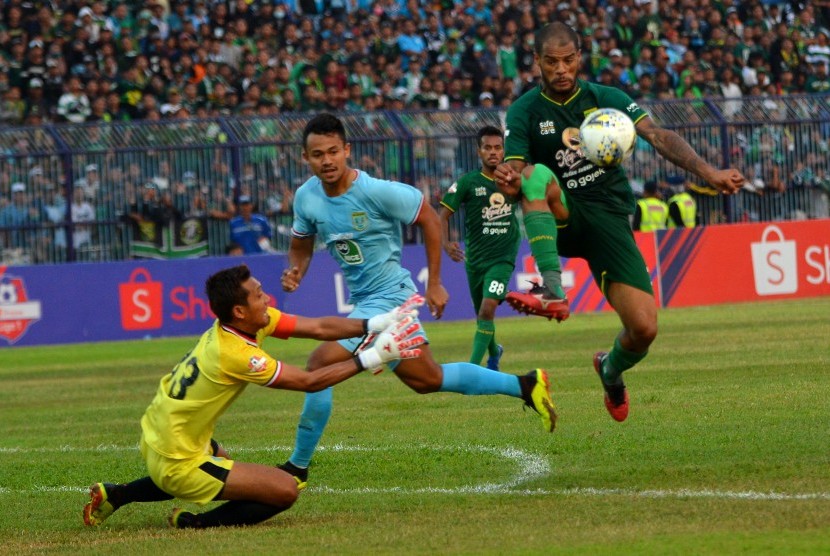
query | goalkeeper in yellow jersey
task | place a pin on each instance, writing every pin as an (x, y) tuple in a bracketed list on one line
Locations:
[(183, 459)]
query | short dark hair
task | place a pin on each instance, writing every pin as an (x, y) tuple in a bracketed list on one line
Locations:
[(225, 291), (488, 131), (324, 124), (556, 31)]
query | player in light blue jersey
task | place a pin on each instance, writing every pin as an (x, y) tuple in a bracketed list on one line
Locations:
[(359, 218)]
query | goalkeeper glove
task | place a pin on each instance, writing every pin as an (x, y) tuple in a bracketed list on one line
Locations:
[(379, 323), (395, 342)]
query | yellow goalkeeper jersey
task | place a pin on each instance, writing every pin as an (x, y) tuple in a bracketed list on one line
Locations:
[(180, 421)]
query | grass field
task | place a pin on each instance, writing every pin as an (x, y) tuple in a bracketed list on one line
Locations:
[(726, 450)]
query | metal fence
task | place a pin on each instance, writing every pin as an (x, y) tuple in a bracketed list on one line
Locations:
[(72, 193)]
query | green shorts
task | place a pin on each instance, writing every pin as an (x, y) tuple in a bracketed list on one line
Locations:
[(491, 282), (606, 241)]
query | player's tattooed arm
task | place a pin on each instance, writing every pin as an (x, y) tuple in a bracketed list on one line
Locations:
[(674, 148)]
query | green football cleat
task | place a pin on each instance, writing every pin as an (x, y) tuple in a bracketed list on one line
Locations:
[(98, 509), (539, 398)]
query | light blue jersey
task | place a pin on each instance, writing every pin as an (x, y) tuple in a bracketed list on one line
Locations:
[(362, 230)]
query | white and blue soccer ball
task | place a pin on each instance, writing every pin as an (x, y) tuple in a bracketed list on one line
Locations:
[(607, 137)]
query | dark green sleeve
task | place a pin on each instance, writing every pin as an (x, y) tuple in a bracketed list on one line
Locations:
[(454, 196), (516, 136), (611, 97)]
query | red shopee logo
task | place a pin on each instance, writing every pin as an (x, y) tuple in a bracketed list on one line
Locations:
[(141, 302)]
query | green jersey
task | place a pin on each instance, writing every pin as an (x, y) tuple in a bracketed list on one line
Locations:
[(533, 133), (492, 230)]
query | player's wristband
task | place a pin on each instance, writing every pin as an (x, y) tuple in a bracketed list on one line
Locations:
[(359, 363)]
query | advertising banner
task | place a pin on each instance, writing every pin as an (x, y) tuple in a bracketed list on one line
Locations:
[(58, 304), (744, 262)]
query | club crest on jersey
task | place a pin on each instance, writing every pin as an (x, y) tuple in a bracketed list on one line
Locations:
[(548, 127), (349, 251), (360, 221), (257, 364)]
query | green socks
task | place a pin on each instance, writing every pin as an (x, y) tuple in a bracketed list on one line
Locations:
[(541, 234), (485, 333), (619, 360)]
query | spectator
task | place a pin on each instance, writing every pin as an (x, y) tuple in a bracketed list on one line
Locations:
[(12, 107), (651, 212), (682, 206), (249, 229), (818, 81), (146, 49), (18, 213), (82, 212), (54, 212), (73, 106)]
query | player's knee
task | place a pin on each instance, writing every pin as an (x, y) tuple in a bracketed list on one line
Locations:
[(424, 388), (425, 385), (285, 494), (315, 361), (644, 332), (426, 380), (487, 311), (535, 181)]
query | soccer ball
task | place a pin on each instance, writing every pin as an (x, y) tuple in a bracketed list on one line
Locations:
[(607, 137)]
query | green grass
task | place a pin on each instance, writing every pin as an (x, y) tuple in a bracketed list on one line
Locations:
[(726, 450)]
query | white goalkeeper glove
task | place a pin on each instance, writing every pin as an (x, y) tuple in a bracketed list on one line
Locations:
[(379, 323), (395, 342)]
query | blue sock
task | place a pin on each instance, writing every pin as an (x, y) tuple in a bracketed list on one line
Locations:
[(472, 380), (315, 415)]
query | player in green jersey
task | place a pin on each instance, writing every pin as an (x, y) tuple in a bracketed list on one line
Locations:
[(492, 240), (540, 130)]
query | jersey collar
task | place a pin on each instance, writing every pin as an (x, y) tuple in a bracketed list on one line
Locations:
[(570, 99), (239, 334)]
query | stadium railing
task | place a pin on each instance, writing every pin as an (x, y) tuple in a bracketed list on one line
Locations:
[(184, 175)]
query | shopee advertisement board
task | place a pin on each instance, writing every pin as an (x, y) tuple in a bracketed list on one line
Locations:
[(744, 262), (58, 304)]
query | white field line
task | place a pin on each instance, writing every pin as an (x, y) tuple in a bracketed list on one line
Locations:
[(528, 467)]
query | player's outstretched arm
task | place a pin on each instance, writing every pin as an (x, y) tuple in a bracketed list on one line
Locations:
[(674, 148), (299, 257), (400, 340), (336, 328)]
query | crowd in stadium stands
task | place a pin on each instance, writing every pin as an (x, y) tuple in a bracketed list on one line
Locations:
[(96, 61), (85, 61)]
